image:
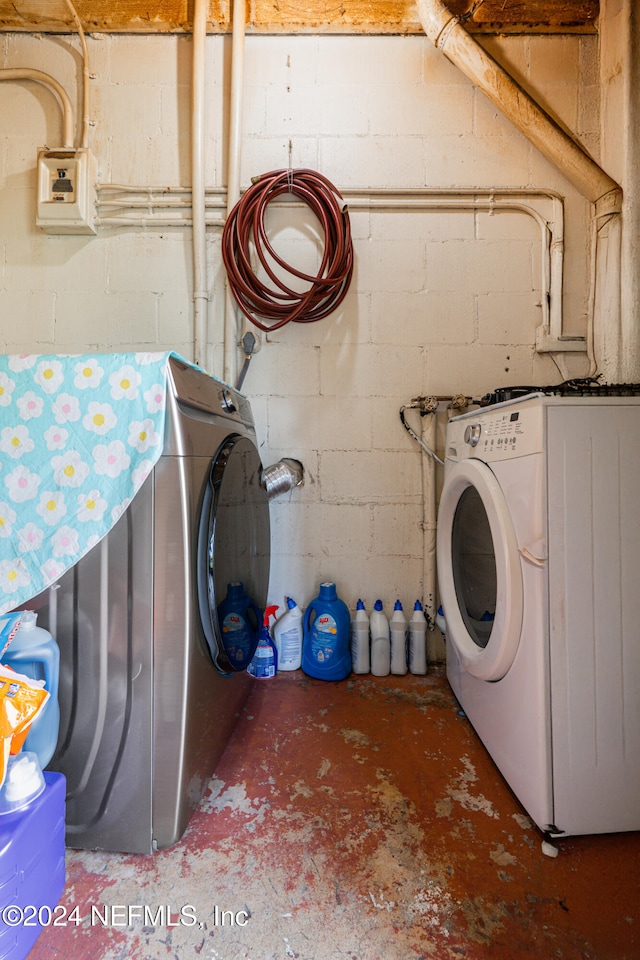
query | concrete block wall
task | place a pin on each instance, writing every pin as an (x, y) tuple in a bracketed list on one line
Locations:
[(441, 302)]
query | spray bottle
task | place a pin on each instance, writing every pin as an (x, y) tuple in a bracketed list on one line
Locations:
[(265, 660), (398, 630)]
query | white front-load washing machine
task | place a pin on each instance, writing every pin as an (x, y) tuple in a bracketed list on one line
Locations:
[(538, 550)]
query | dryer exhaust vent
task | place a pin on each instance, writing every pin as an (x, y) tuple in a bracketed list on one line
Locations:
[(282, 476)]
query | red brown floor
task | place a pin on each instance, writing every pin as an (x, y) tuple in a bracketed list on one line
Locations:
[(360, 820)]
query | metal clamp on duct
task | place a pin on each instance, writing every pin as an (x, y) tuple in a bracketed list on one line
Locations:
[(282, 476)]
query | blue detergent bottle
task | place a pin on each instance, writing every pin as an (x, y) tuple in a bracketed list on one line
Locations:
[(264, 664), (35, 653), (326, 652), (239, 619)]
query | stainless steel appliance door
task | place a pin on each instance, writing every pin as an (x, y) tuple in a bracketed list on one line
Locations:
[(233, 545), (196, 702)]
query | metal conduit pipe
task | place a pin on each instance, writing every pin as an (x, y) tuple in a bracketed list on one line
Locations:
[(510, 200), (430, 515), (86, 93), (238, 29), (447, 33), (199, 237), (163, 222), (26, 73)]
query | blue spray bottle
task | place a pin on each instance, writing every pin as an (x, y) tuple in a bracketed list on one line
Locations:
[(265, 660)]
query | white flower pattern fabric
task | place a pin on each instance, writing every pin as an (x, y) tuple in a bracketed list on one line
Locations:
[(78, 437)]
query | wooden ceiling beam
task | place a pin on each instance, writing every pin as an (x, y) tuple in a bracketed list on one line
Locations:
[(292, 16)]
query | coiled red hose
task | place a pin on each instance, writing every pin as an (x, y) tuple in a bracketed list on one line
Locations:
[(271, 307)]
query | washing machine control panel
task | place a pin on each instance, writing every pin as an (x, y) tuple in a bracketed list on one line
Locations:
[(496, 434)]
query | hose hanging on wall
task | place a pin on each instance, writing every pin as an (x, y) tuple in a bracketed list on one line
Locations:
[(270, 307)]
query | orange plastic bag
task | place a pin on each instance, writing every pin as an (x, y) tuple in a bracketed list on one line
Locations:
[(21, 700)]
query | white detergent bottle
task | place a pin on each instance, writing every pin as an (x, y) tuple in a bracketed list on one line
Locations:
[(360, 660), (35, 653), (287, 636), (380, 646), (398, 631), (418, 640)]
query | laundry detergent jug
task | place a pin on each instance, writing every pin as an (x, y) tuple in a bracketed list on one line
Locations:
[(326, 652), (35, 653), (239, 620)]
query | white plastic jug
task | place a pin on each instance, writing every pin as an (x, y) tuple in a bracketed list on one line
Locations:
[(360, 660), (34, 652), (418, 641), (380, 647), (287, 636), (398, 631)]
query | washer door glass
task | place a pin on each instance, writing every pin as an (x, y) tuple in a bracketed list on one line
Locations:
[(234, 542), (479, 570)]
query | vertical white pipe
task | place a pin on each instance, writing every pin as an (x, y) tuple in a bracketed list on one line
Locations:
[(233, 173), (86, 93), (556, 270), (629, 240), (199, 238), (609, 342), (429, 522)]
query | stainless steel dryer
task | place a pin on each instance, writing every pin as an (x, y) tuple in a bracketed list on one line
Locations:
[(148, 695)]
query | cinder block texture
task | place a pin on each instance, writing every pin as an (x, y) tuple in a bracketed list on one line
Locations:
[(442, 300)]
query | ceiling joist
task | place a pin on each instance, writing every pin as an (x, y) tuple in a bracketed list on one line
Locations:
[(294, 16)]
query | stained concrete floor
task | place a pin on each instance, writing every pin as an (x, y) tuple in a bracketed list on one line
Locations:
[(360, 820)]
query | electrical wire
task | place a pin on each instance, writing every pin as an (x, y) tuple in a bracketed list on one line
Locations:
[(270, 307), (86, 76)]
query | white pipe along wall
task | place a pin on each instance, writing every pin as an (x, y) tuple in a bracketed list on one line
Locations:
[(199, 240), (231, 332), (26, 73), (86, 77), (447, 33), (455, 317)]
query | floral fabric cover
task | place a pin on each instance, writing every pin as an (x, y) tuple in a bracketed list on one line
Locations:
[(78, 436)]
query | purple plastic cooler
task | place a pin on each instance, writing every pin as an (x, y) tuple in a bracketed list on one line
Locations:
[(32, 868)]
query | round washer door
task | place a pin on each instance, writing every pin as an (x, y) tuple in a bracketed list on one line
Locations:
[(479, 570), (234, 545)]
